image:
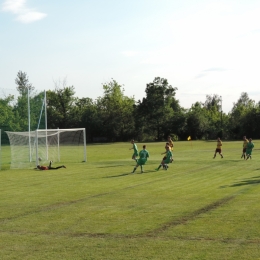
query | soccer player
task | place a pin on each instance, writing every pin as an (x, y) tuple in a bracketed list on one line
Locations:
[(143, 155), (167, 144), (49, 167), (244, 147), (170, 142), (249, 148), (135, 154), (167, 160), (219, 148)]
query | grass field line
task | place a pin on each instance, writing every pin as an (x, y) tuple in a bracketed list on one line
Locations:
[(193, 215), (158, 237)]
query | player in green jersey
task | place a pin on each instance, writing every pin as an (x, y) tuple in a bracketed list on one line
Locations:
[(135, 154), (166, 160), (249, 148), (143, 155)]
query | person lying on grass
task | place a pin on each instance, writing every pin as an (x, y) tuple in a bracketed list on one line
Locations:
[(39, 167)]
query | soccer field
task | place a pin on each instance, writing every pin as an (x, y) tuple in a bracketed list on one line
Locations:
[(201, 208)]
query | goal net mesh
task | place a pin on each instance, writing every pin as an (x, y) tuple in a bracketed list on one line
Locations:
[(29, 149)]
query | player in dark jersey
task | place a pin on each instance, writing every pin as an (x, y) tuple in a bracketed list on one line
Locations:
[(39, 167), (218, 149), (245, 142)]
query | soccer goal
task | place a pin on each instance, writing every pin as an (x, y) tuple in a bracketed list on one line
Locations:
[(28, 149)]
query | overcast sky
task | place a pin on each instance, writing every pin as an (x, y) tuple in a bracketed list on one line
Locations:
[(201, 47)]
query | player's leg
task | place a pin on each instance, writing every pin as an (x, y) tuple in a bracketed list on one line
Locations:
[(50, 164), (157, 169), (248, 154), (135, 168)]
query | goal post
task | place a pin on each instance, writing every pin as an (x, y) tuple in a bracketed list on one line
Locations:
[(28, 149)]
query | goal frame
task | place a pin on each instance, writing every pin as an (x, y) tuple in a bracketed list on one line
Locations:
[(45, 133)]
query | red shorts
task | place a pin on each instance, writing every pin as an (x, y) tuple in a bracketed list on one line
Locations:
[(218, 150), (44, 167)]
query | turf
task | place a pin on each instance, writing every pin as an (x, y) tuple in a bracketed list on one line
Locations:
[(201, 208)]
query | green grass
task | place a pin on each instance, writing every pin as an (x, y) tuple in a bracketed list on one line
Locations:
[(199, 209)]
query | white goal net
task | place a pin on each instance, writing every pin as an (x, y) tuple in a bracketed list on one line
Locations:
[(28, 149)]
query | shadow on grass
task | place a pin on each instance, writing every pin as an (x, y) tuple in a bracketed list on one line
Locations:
[(115, 176), (247, 182), (129, 173), (110, 166)]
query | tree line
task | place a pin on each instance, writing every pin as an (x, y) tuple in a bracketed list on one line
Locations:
[(116, 117)]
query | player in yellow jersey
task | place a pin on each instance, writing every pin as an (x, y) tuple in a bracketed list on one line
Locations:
[(170, 142), (219, 148), (245, 142)]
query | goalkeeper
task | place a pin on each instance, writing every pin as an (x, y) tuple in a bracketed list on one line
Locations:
[(39, 167)]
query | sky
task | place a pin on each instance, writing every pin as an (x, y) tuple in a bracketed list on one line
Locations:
[(201, 47)]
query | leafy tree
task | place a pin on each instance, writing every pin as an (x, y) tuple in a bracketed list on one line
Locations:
[(116, 112), (22, 82), (155, 111), (60, 104), (85, 114), (215, 115), (197, 121), (8, 118), (238, 116)]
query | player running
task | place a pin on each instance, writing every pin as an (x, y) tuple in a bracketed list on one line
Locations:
[(143, 155), (135, 154), (39, 167), (249, 148), (167, 160), (218, 149), (245, 142)]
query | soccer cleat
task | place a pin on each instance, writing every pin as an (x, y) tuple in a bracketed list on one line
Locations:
[(157, 169), (222, 156), (142, 171), (63, 166)]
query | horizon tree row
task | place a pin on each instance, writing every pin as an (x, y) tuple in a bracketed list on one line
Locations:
[(116, 117)]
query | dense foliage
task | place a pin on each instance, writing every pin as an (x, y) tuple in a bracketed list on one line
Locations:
[(116, 117)]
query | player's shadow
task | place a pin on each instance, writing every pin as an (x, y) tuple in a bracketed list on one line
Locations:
[(115, 176), (254, 180), (126, 174), (110, 166)]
